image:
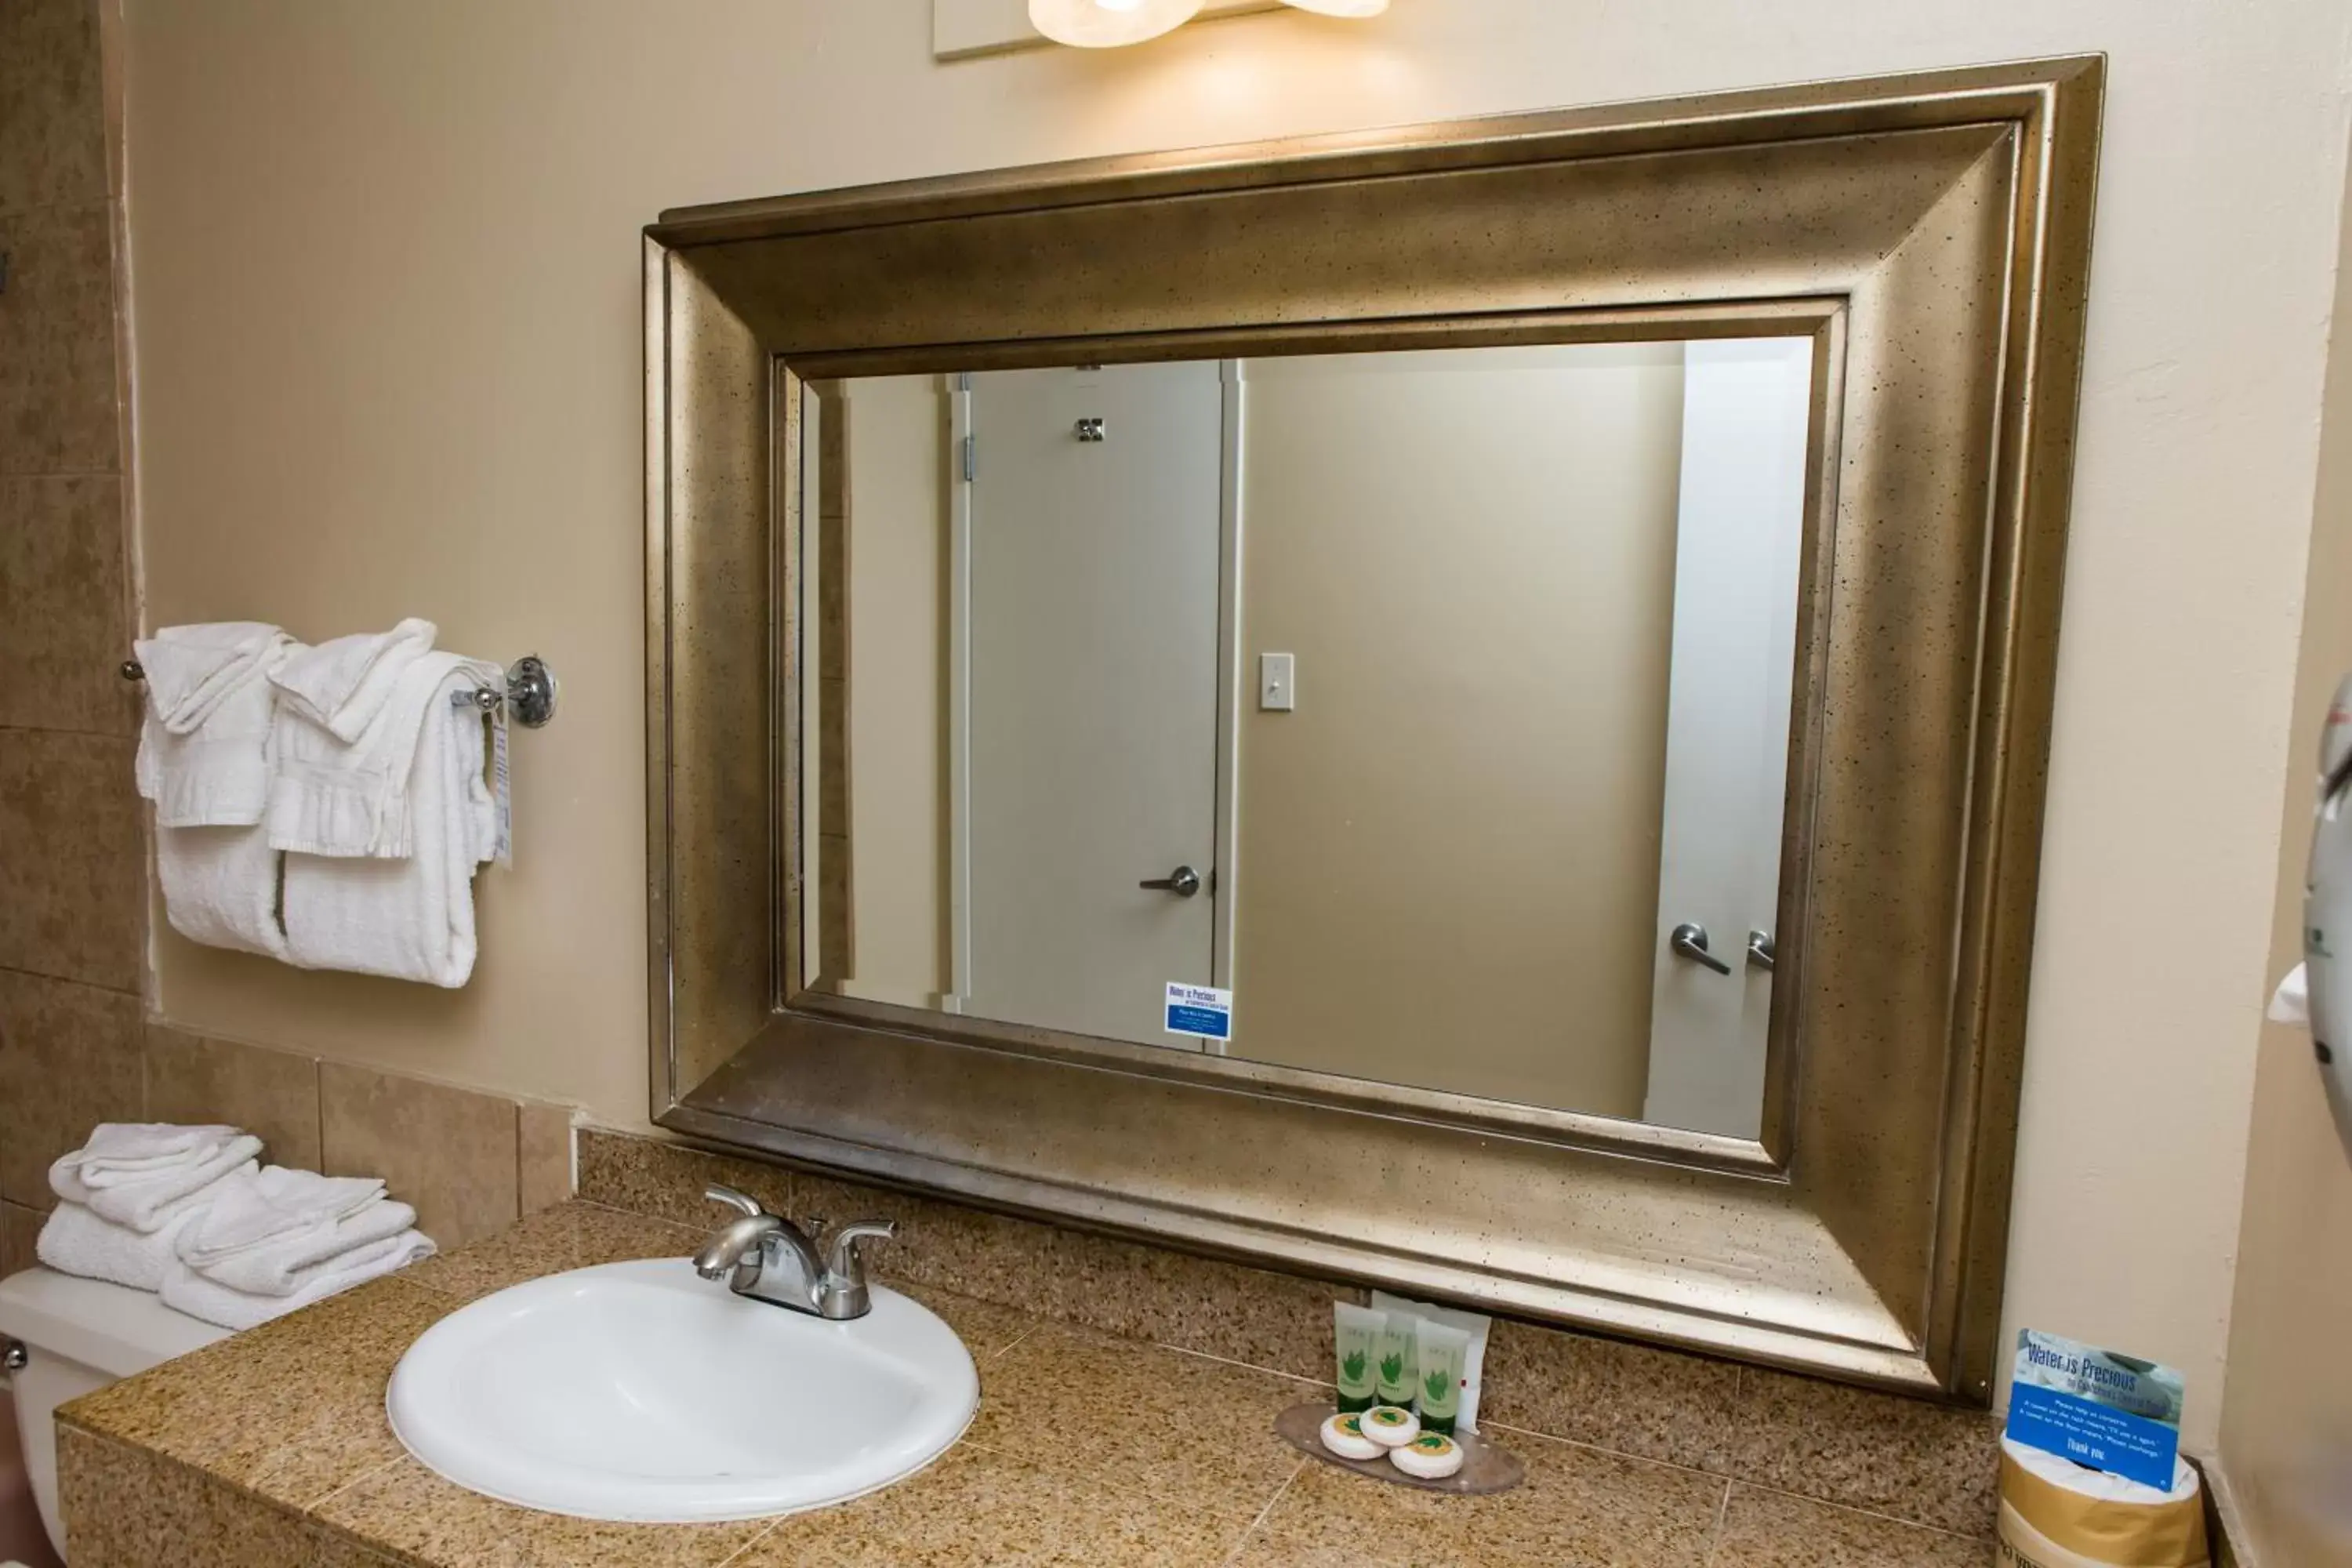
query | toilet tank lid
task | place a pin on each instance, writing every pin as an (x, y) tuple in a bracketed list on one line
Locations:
[(108, 1328)]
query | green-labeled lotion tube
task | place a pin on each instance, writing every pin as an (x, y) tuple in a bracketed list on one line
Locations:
[(1444, 1351), (1356, 1336), (1393, 1381)]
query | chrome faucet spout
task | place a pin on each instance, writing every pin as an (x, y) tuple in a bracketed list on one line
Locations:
[(769, 1259)]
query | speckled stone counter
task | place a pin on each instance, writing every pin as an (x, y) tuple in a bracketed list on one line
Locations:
[(271, 1450)]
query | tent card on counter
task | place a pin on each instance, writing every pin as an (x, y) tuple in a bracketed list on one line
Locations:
[(2102, 1410), (1203, 1012)]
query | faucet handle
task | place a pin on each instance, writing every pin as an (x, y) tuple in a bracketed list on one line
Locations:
[(741, 1203), (841, 1256)]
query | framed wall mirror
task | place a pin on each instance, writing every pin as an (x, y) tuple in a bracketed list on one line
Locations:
[(1461, 707)]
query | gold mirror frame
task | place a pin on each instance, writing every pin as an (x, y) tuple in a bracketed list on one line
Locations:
[(1930, 232)]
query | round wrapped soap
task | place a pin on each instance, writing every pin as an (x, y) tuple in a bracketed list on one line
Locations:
[(1432, 1456), (1344, 1436), (1390, 1425)]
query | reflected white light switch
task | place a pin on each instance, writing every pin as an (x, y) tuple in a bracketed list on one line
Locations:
[(1277, 692)]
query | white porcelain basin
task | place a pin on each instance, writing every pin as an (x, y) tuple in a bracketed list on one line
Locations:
[(637, 1392)]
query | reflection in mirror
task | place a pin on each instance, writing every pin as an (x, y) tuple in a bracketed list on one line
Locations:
[(1434, 704)]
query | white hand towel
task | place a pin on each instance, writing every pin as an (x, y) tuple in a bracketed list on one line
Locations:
[(115, 1149), (288, 1265), (204, 748), (75, 1241), (341, 685), (349, 718), (272, 1205), (188, 1291), (136, 1174), (411, 919)]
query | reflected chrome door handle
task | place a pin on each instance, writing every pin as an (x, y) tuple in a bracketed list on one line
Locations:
[(1184, 882), (1759, 949), (1690, 942)]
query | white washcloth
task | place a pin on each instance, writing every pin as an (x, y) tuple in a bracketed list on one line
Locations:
[(349, 719), (220, 887), (341, 685), (271, 1206), (137, 1173), (285, 1266), (188, 1291), (204, 750), (411, 919), (75, 1241)]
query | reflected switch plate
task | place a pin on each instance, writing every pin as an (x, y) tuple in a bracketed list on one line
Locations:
[(1278, 690)]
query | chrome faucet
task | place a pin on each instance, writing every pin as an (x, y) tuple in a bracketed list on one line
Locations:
[(769, 1259)]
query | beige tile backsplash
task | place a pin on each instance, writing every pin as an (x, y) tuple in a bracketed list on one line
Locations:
[(471, 1163), (274, 1095), (451, 1152)]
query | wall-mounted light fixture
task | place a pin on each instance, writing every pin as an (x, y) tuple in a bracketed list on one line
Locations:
[(1107, 24)]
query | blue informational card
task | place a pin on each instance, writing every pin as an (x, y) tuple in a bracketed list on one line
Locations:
[(2108, 1412), (1203, 1012)]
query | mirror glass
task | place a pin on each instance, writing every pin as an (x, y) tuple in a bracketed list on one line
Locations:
[(1414, 716)]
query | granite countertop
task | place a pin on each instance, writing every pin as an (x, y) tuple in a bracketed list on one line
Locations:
[(271, 1450)]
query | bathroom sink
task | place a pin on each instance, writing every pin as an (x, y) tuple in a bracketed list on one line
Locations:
[(637, 1392)]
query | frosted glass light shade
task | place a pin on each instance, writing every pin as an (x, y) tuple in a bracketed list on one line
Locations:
[(1341, 7), (1107, 24)]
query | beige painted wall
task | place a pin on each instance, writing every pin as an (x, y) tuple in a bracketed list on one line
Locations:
[(1471, 554), (385, 279), (897, 686), (2286, 1427)]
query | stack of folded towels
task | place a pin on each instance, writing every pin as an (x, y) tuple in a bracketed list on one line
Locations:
[(325, 806), (190, 1212)]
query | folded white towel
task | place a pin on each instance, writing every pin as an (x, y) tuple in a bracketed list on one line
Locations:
[(290, 1263), (220, 887), (349, 719), (75, 1241), (136, 1173), (341, 685), (188, 1291), (411, 919), (204, 755), (271, 1206)]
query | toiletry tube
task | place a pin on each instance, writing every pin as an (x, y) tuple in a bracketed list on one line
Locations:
[(1443, 1350), (1395, 1375), (2057, 1514), (1355, 1339), (1475, 1324)]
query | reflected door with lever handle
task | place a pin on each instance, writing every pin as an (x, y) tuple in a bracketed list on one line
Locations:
[(1689, 941)]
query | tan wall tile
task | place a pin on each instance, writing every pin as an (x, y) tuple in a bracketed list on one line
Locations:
[(64, 629), (451, 1152), (543, 1156), (59, 410), (73, 858), (274, 1095), (52, 115), (68, 1060), (20, 1229)]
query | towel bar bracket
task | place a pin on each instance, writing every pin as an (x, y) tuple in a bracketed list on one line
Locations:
[(530, 695)]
